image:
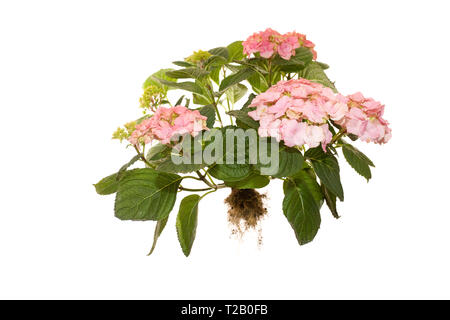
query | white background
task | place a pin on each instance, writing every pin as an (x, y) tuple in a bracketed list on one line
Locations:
[(71, 72)]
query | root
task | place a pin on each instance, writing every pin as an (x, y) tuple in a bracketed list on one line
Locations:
[(245, 211)]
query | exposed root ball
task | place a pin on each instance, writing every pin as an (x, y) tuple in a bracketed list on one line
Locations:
[(245, 209)]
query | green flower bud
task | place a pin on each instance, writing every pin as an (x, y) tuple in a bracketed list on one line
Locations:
[(198, 56), (123, 133), (152, 98)]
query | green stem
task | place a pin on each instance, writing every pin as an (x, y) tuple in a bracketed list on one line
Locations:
[(181, 188), (210, 178), (142, 157), (269, 69), (229, 109), (218, 114), (211, 92), (202, 178), (338, 136), (208, 193)]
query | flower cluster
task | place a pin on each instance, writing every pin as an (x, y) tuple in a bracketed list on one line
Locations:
[(167, 123), (269, 42), (125, 132), (198, 57), (365, 119), (297, 111), (152, 98)]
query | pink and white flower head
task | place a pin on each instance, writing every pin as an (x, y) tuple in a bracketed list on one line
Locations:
[(167, 123), (264, 42), (365, 119), (297, 111), (269, 42)]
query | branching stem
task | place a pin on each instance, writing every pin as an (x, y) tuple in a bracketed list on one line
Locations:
[(181, 188), (211, 92), (142, 157), (338, 136)]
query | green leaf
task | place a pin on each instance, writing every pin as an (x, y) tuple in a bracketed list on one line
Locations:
[(157, 152), (204, 98), (254, 181), (215, 75), (294, 64), (187, 222), (330, 199), (125, 167), (188, 86), (191, 72), (258, 83), (301, 207), (190, 160), (309, 177), (160, 225), (242, 115), (239, 92), (201, 99), (235, 51), (230, 172), (315, 73), (249, 101), (107, 185), (233, 67), (210, 112), (146, 194), (215, 62), (167, 165), (235, 78), (289, 68), (221, 51), (290, 161), (234, 171), (304, 54), (182, 64), (153, 79), (358, 160), (254, 64), (110, 184), (179, 101), (236, 92), (327, 169), (324, 66)]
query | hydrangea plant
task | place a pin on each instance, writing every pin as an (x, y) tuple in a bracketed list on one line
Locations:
[(291, 127)]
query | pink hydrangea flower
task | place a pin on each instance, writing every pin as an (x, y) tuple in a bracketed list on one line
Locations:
[(365, 119), (338, 108), (167, 123), (270, 127), (299, 40), (269, 42), (286, 50), (293, 132), (263, 42), (297, 111)]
